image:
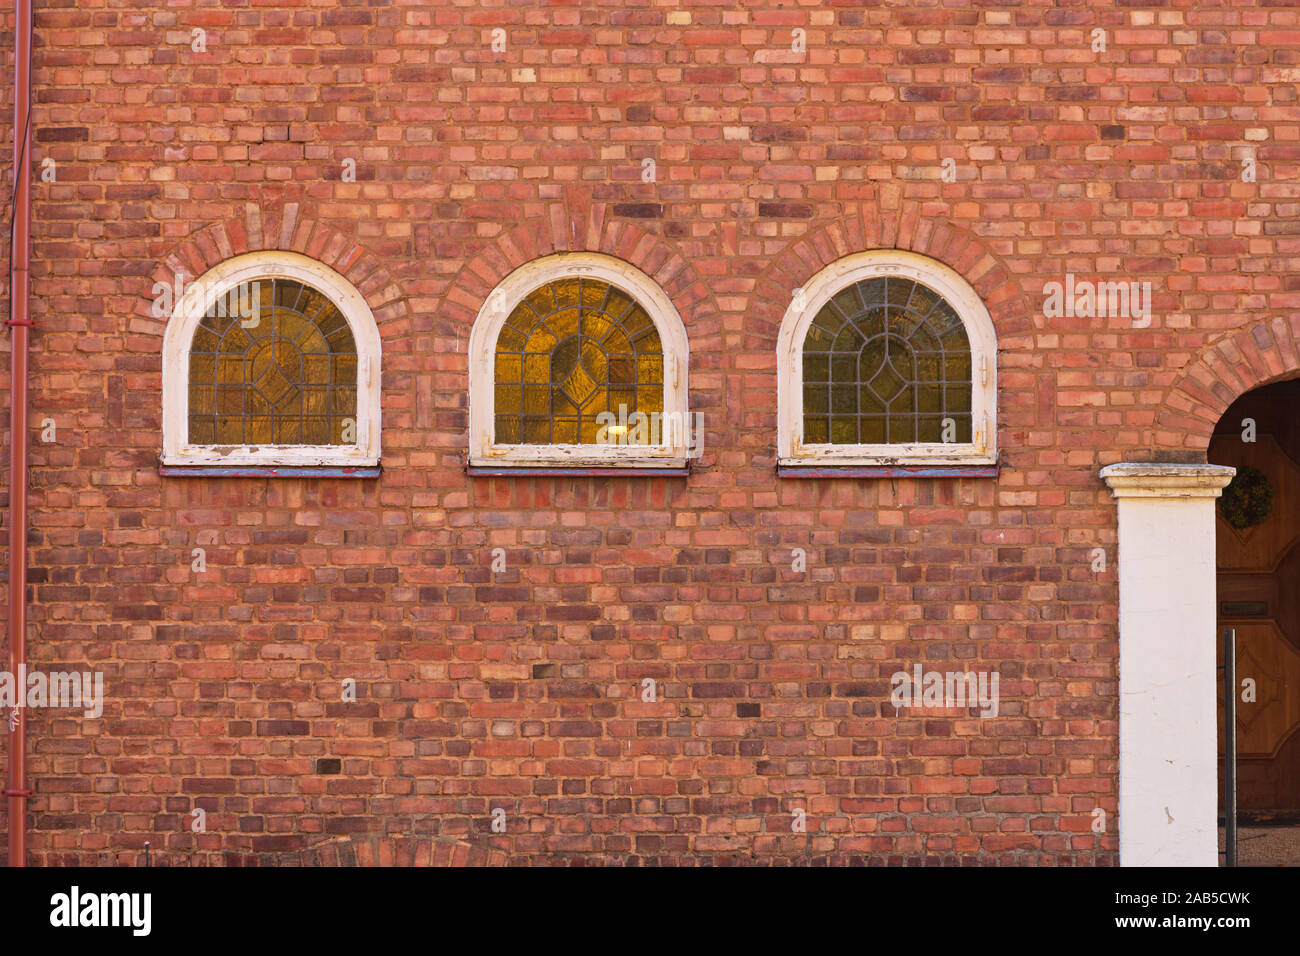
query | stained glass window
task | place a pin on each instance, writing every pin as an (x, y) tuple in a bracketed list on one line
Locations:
[(569, 351), (885, 361), (273, 362)]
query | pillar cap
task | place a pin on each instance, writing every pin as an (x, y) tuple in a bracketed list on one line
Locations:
[(1154, 480)]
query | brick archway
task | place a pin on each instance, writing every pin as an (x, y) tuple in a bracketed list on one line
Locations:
[(1168, 609), (1258, 354)]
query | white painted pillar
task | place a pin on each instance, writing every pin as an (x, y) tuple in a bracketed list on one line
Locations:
[(1168, 752)]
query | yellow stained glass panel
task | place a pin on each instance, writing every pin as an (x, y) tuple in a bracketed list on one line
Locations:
[(569, 351), (273, 362)]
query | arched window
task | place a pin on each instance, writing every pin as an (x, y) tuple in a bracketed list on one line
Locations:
[(269, 359), (578, 360), (887, 358)]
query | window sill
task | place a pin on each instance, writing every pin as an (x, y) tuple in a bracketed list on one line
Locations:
[(577, 471), (269, 471), (887, 471)]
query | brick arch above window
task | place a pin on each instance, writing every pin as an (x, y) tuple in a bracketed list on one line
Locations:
[(579, 225), (885, 222), (572, 226), (278, 222)]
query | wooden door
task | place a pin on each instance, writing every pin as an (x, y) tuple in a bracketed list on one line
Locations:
[(1259, 596)]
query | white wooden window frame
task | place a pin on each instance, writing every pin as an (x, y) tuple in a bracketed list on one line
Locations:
[(805, 304), (179, 336), (483, 447)]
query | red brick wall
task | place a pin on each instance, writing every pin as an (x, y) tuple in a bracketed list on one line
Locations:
[(519, 690)]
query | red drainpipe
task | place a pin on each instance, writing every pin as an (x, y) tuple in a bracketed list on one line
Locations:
[(20, 322)]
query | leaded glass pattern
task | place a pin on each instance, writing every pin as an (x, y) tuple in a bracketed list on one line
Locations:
[(569, 351), (273, 363), (885, 361)]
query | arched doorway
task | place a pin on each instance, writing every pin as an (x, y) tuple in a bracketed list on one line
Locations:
[(1258, 595)]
